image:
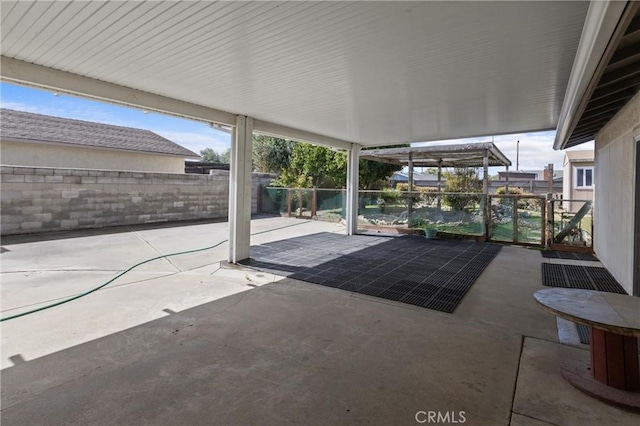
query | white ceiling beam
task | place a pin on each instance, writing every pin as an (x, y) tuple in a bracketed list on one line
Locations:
[(16, 71), (600, 23), (279, 131)]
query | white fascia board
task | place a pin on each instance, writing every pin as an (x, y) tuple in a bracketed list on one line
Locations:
[(600, 24), (25, 73), (285, 132)]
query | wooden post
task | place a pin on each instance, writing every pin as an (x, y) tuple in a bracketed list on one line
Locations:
[(300, 195), (506, 185), (289, 201), (439, 184), (543, 218), (550, 219), (514, 218), (550, 177), (485, 190), (410, 201), (314, 202)]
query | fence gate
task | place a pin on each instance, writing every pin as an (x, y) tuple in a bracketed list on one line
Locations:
[(517, 219)]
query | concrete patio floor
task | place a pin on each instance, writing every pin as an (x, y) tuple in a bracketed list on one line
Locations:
[(187, 340)]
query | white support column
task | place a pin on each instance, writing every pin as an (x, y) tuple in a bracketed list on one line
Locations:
[(353, 166), (240, 190)]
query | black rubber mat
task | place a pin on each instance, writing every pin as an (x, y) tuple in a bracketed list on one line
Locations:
[(551, 254), (583, 333), (582, 277), (434, 274)]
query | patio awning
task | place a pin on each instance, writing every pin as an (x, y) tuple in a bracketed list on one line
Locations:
[(461, 155), (372, 73)]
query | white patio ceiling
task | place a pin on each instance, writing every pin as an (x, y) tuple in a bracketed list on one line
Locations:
[(367, 72)]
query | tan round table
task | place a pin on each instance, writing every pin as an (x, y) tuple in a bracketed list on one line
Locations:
[(614, 374)]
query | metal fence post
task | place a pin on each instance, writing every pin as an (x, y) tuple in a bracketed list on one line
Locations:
[(289, 201)]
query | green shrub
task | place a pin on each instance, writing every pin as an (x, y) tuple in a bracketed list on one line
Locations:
[(513, 190), (523, 203), (462, 180), (390, 196)]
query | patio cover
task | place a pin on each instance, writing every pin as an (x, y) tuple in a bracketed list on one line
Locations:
[(333, 73), (341, 74), (467, 155)]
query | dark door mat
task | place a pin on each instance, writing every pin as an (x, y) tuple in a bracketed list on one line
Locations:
[(434, 274), (581, 277), (552, 254), (583, 333)]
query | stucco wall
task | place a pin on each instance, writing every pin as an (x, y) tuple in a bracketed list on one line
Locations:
[(614, 192), (47, 155), (48, 199)]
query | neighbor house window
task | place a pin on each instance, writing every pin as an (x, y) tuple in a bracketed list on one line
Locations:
[(584, 177)]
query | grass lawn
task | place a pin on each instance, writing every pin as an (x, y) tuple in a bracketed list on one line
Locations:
[(529, 229)]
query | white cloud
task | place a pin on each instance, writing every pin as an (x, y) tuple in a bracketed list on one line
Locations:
[(19, 106), (197, 141)]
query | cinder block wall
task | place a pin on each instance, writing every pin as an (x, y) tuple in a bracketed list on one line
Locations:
[(50, 199)]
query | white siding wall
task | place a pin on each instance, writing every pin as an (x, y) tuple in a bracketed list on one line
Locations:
[(46, 155), (614, 193)]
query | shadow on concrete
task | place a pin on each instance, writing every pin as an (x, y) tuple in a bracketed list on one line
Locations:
[(271, 355), (108, 230)]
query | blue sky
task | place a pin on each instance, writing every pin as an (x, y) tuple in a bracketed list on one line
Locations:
[(192, 135), (535, 148)]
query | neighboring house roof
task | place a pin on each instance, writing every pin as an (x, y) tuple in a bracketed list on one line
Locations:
[(519, 175), (578, 156), (26, 126), (417, 177)]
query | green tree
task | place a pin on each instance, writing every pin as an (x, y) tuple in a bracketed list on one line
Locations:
[(322, 167), (314, 166), (271, 155), (374, 174), (211, 156), (225, 157), (462, 180)]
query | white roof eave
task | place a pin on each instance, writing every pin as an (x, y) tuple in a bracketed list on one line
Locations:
[(600, 23)]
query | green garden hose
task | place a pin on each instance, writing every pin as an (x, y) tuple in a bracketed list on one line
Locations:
[(78, 296)]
